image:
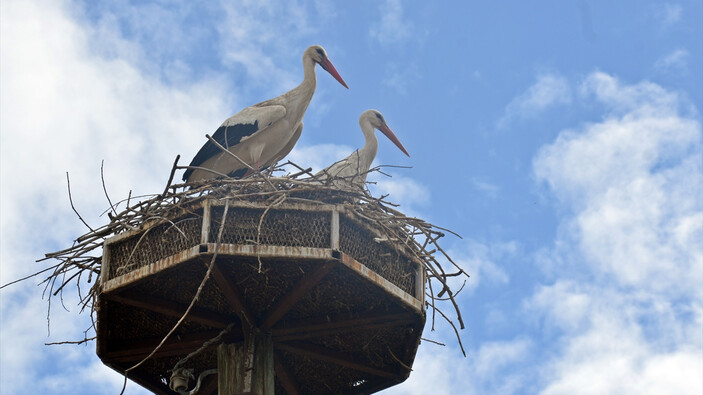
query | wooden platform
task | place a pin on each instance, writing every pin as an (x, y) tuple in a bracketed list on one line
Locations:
[(345, 309)]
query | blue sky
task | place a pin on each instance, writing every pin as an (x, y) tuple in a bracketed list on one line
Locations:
[(562, 140)]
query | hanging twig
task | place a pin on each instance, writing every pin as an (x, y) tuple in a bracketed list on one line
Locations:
[(432, 341), (70, 199), (102, 177), (278, 201)]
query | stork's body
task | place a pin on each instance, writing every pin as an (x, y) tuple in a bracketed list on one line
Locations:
[(352, 170), (264, 133)]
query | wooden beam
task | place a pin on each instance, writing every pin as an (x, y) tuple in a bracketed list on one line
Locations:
[(231, 293), (338, 330), (338, 358), (300, 289), (170, 308), (134, 350), (284, 376), (323, 326)]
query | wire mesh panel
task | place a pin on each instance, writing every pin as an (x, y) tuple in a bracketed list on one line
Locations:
[(280, 227), (155, 243), (359, 243)]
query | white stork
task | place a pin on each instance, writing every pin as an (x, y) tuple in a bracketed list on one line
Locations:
[(264, 133), (352, 170)]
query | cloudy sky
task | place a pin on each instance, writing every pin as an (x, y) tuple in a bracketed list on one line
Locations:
[(562, 140)]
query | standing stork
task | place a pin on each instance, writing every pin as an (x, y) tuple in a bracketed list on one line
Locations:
[(352, 170), (264, 133)]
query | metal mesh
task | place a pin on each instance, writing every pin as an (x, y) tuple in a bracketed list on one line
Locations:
[(157, 243), (280, 227), (359, 243), (290, 228)]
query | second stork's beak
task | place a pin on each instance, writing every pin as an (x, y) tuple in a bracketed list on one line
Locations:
[(327, 65), (391, 136)]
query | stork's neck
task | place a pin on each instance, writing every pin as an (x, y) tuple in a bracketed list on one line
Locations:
[(297, 100), (309, 78), (367, 153)]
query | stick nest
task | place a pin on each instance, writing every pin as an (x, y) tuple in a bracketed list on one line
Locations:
[(81, 262)]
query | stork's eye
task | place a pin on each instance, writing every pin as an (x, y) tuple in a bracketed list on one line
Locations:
[(380, 118), (320, 52)]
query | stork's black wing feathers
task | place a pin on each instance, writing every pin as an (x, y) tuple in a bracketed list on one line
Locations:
[(226, 136)]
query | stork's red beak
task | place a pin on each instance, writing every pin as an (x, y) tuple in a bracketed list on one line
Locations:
[(391, 136), (327, 65)]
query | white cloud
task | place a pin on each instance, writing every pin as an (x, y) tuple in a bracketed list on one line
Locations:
[(676, 61), (487, 369), (668, 14), (549, 90), (607, 348), (632, 181), (644, 98), (482, 262), (65, 108), (399, 77), (488, 189), (626, 307), (405, 191), (253, 30), (393, 27)]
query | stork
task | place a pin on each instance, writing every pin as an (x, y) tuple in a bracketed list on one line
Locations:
[(264, 133), (352, 170)]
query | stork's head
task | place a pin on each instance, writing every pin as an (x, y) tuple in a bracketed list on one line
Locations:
[(376, 120), (319, 56)]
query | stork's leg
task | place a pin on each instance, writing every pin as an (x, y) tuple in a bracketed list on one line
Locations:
[(249, 171)]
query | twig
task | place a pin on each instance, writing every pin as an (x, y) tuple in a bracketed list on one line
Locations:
[(102, 177), (278, 201), (204, 346), (170, 178), (86, 340), (70, 199), (398, 360), (432, 341), (30, 276), (458, 338)]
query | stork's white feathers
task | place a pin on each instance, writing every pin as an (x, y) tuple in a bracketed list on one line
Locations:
[(264, 133), (263, 114)]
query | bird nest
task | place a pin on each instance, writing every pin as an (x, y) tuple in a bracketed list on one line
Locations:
[(82, 262)]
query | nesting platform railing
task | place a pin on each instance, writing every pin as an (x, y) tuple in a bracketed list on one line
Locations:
[(343, 305)]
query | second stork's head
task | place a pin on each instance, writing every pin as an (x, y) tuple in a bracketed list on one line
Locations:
[(319, 56), (376, 120)]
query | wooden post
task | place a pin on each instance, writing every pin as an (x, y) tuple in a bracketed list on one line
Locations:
[(246, 367), (334, 230), (420, 283), (205, 230)]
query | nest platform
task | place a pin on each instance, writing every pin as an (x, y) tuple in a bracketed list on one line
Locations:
[(344, 305)]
